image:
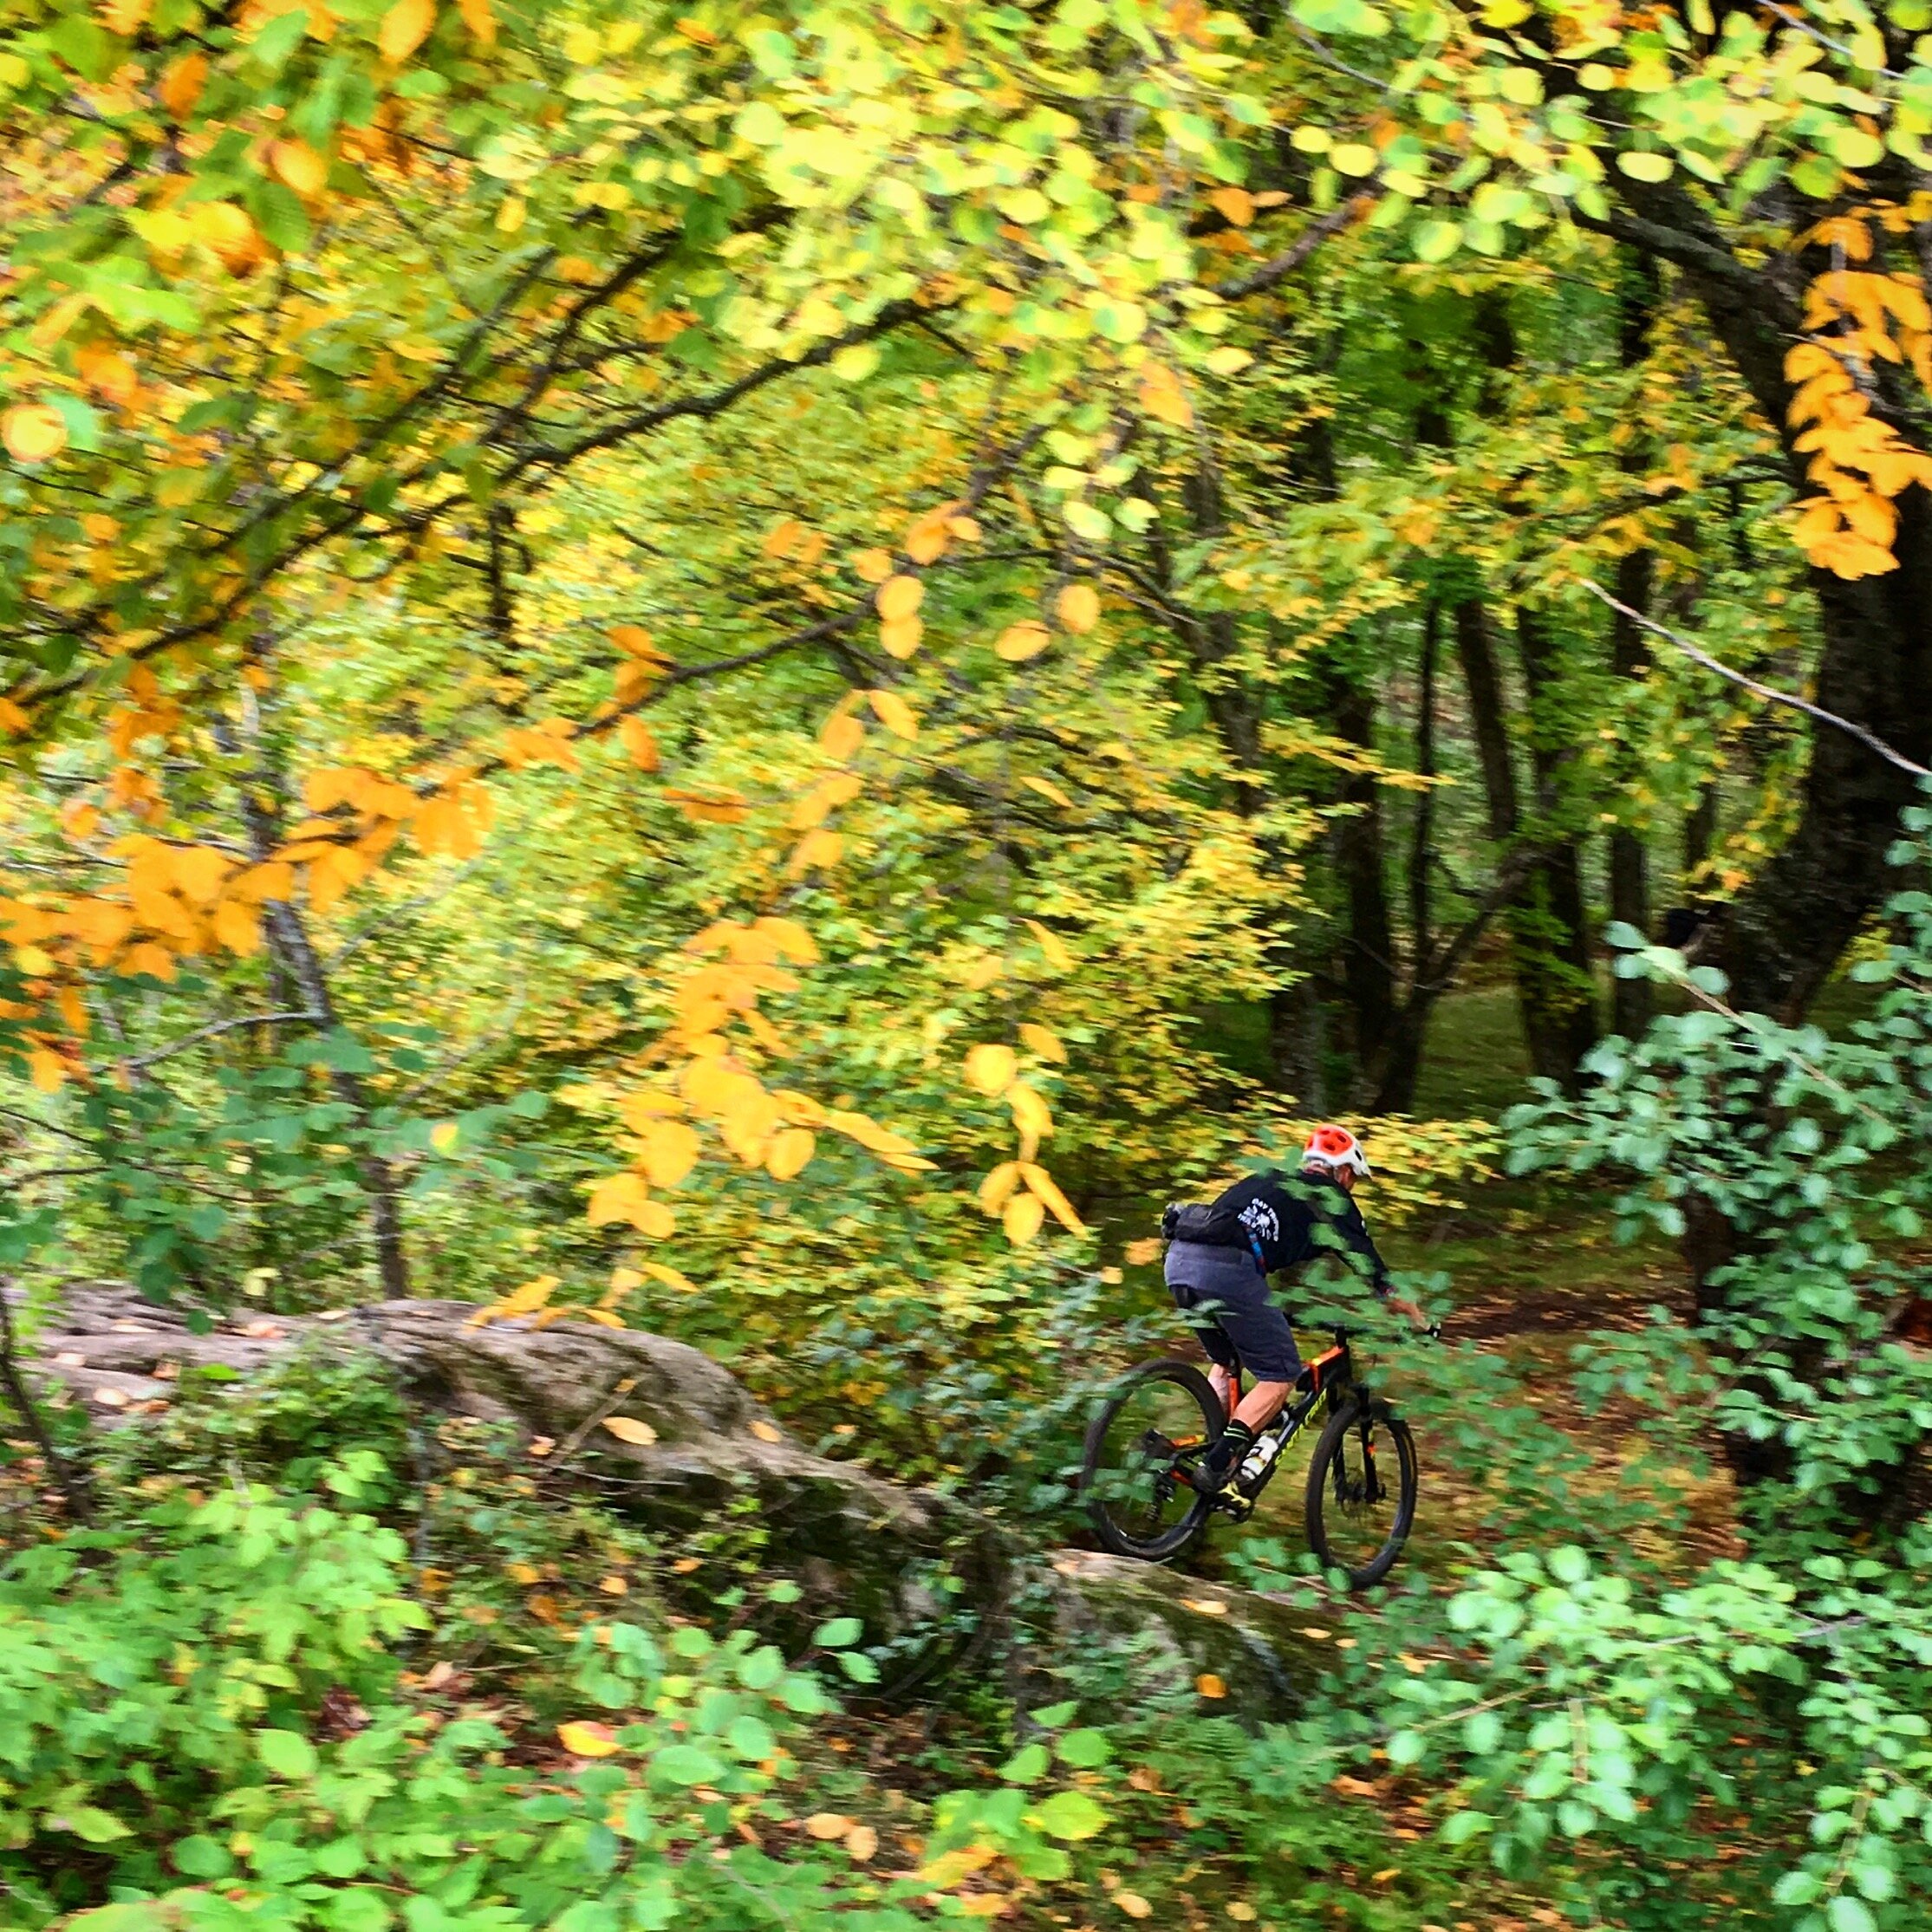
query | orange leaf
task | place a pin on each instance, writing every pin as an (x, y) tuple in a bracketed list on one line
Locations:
[(873, 566), (1078, 607), (627, 1428), (789, 1151), (1022, 1219), (1233, 205), (1041, 1183), (841, 735), (1044, 1041), (671, 1151), (894, 713), (900, 596), (181, 84), (926, 541), (479, 20), (783, 538), (828, 1825), (1018, 642), (766, 1432), (1209, 1684), (900, 637)]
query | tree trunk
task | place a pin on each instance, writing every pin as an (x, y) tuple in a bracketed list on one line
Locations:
[(1629, 872), (1787, 930), (1368, 968)]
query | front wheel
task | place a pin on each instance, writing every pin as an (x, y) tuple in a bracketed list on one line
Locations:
[(1362, 1484), (1155, 1425)]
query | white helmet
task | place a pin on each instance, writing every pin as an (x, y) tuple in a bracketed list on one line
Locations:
[(1335, 1147)]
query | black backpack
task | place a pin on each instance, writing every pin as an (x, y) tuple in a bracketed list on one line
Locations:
[(1205, 1226)]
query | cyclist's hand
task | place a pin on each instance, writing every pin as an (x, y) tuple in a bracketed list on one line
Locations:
[(1412, 1310)]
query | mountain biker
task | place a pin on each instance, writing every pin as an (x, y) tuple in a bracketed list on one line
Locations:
[(1219, 1260)]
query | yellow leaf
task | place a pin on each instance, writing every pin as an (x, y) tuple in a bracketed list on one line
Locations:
[(997, 1189), (983, 1905), (614, 1586), (841, 735), (1235, 205), (894, 713), (525, 1573), (622, 1197), (1022, 1219), (766, 1432), (783, 538), (586, 1740), (862, 1842), (670, 1152), (405, 28), (828, 1825), (900, 596), (1382, 1877), (627, 1428), (639, 744), (49, 1071), (1078, 607), (1047, 789), (873, 566), (444, 1136), (991, 1068), (32, 960), (1164, 397), (1052, 945), (1031, 1113), (1240, 1910), (1018, 642), (1137, 1254), (1044, 1043), (33, 433), (945, 1872), (900, 637), (1133, 1904), (477, 17), (790, 1149), (299, 165), (1040, 1183), (1209, 1684)]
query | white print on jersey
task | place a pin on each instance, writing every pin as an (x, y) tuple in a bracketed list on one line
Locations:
[(1259, 1219)]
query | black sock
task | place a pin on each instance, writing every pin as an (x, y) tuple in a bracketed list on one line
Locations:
[(1236, 1440)]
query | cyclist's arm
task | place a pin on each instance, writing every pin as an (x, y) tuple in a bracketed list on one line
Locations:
[(1355, 1233)]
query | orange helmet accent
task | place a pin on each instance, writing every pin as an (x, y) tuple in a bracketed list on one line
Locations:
[(1335, 1147)]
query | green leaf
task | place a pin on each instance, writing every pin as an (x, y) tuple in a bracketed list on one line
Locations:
[(91, 1823), (1569, 1565), (687, 1763), (201, 1857), (1847, 1914), (1437, 241), (838, 1633), (1055, 1715), (1027, 1764), (287, 1754), (1406, 1748), (1070, 1814), (752, 1738), (1083, 1750)]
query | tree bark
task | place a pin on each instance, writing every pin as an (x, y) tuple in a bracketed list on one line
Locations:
[(1788, 929), (1368, 968)]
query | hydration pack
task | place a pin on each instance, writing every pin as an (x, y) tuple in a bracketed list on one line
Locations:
[(1205, 1226)]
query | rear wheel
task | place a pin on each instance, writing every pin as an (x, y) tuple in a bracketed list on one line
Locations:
[(1158, 1421), (1362, 1484)]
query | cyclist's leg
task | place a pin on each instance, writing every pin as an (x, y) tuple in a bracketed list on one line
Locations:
[(1224, 1371), (1265, 1345)]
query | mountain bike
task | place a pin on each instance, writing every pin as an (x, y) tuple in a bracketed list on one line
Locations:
[(1144, 1447)]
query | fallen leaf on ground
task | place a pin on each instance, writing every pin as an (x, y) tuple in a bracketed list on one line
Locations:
[(829, 1824), (1133, 1904), (765, 1433), (627, 1428), (862, 1841), (587, 1739)]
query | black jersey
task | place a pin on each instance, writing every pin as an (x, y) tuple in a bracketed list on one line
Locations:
[(1286, 1220)]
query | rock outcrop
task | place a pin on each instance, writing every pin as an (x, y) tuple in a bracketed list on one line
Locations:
[(691, 1440)]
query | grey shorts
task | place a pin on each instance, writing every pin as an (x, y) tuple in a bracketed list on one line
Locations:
[(1224, 1293)]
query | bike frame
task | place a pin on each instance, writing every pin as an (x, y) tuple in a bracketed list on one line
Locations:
[(1329, 1373)]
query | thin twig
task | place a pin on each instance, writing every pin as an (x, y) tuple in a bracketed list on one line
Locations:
[(1702, 656)]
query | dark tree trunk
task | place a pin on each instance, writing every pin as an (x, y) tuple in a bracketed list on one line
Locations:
[(1787, 930), (1368, 968), (1550, 924), (1630, 868)]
